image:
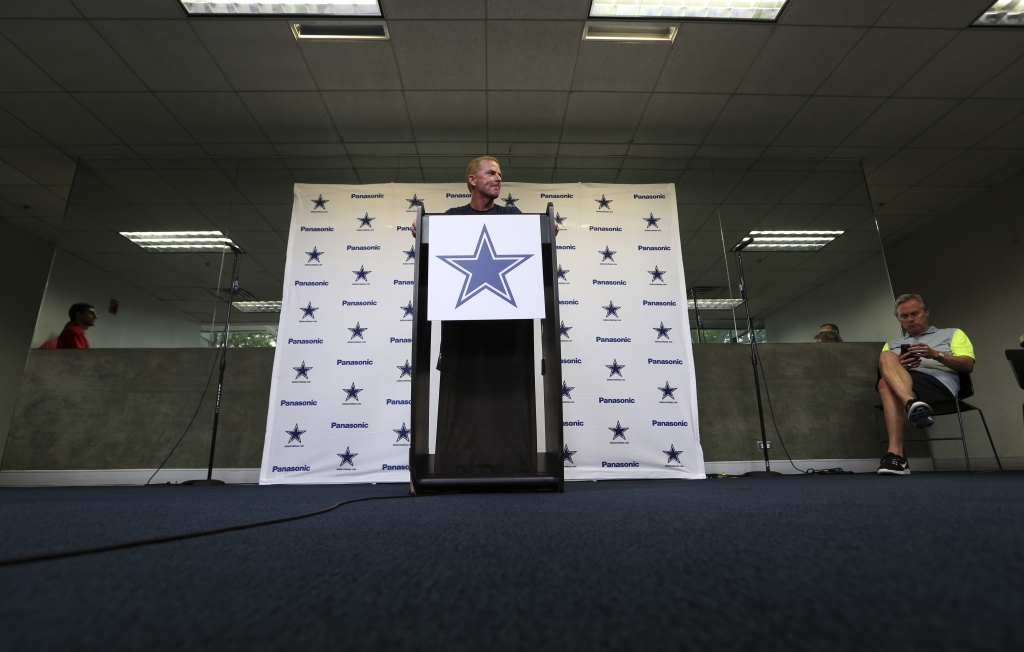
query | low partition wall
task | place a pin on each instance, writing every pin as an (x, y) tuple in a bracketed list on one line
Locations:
[(109, 416)]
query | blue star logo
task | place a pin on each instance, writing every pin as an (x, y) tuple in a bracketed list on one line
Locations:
[(403, 433), (618, 431), (314, 255), (563, 330), (657, 274), (611, 309), (616, 368), (320, 203), (410, 254), (567, 454), (673, 454), (406, 369), (301, 371), (357, 331), (668, 392), (662, 331), (485, 270), (607, 254), (308, 311), (560, 219), (414, 202), (510, 201), (562, 273), (346, 457), (407, 310), (365, 221), (295, 434), (351, 393), (361, 274), (652, 222), (566, 390), (603, 203)]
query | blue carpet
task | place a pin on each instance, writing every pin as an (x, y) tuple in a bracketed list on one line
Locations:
[(930, 561)]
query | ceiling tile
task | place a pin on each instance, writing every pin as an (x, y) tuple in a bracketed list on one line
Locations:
[(910, 166), (538, 9), (780, 151), (359, 65), (326, 175), (1009, 83), (35, 201), (647, 176), (14, 133), (264, 187), (969, 61), (39, 9), (638, 149), (825, 12), (711, 57), (679, 118), (918, 200), (452, 115), (612, 66), (433, 55), (58, 118), (213, 117), (796, 60), (583, 175), (526, 115), (764, 186), (1010, 136), (291, 117), (972, 167), (259, 242), (140, 186), (822, 187), (933, 13), (884, 60), (19, 74), (134, 117), (417, 9), (255, 55), (369, 116), (602, 117), (73, 54), (532, 55), (749, 120), (11, 177), (202, 186), (898, 121), (591, 149), (130, 9), (827, 120), (969, 123)]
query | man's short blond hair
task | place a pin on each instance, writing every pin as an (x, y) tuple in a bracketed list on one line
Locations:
[(474, 167)]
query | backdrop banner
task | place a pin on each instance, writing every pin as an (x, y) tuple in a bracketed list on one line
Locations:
[(339, 399)]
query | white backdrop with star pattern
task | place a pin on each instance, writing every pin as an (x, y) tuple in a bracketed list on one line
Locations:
[(339, 400)]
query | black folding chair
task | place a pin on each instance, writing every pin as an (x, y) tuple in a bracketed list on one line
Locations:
[(1016, 358), (958, 406)]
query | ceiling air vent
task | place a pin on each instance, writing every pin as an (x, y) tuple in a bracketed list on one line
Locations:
[(327, 30)]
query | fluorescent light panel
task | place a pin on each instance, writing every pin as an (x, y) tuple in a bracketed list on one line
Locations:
[(715, 304), (712, 9), (788, 240), (257, 306), (1004, 13), (326, 30), (312, 8), (629, 31), (181, 241)]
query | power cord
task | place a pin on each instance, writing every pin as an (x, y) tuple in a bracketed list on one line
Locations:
[(28, 559)]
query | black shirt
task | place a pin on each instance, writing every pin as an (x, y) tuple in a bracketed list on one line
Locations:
[(493, 210)]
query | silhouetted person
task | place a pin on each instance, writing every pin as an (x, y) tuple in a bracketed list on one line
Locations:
[(827, 337), (829, 327), (83, 317)]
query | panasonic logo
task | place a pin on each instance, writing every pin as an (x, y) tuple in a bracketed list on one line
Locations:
[(394, 467), (648, 196), (356, 363), (676, 424), (362, 247), (311, 283), (643, 248), (316, 228), (571, 361), (404, 228), (288, 469), (659, 303), (397, 282), (569, 247), (316, 341), (296, 403), (606, 228), (401, 340), (349, 425), (379, 195), (615, 400), (544, 196), (615, 465), (358, 303), (456, 195), (597, 282), (399, 401), (568, 302), (624, 340), (572, 424), (653, 361)]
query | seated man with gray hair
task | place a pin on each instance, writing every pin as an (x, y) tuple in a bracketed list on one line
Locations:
[(916, 371)]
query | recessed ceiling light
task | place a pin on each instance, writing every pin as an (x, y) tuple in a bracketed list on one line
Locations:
[(716, 304), (629, 31), (786, 240), (326, 30), (1003, 13), (258, 306), (309, 8), (713, 9), (182, 241)]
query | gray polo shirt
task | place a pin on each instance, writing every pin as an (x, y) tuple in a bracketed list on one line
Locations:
[(947, 340)]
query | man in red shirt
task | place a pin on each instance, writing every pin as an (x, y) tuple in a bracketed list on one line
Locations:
[(73, 336)]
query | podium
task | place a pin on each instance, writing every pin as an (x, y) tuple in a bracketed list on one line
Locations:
[(544, 429)]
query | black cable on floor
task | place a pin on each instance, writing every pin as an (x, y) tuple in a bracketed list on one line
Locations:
[(28, 559)]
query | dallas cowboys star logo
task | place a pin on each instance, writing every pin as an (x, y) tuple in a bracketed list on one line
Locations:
[(607, 254), (603, 203), (295, 434), (611, 309), (407, 310), (562, 273), (403, 433), (616, 368), (652, 222), (406, 369), (618, 431), (361, 274), (365, 221), (662, 331), (414, 202), (357, 331), (566, 390), (510, 201), (560, 219), (668, 392), (314, 255), (320, 202), (410, 254), (563, 330), (346, 457), (485, 270), (567, 454), (308, 311), (351, 392), (673, 454), (301, 371), (657, 274)]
